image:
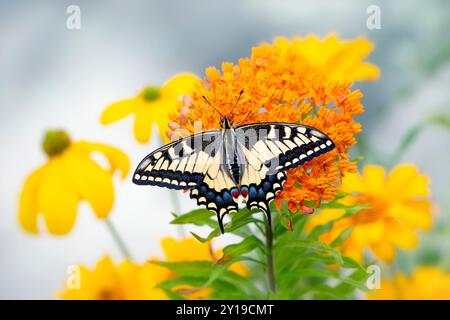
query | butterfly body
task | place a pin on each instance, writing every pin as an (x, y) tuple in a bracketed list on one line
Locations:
[(221, 167)]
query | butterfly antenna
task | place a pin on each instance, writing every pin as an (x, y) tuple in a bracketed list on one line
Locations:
[(204, 98), (240, 95), (245, 119)]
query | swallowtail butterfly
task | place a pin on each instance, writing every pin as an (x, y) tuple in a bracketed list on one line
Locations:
[(220, 167)]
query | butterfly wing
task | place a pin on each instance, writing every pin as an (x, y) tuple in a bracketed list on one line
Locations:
[(196, 163), (272, 148), (193, 163), (216, 195), (182, 164)]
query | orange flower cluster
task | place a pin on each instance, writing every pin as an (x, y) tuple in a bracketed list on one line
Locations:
[(283, 83)]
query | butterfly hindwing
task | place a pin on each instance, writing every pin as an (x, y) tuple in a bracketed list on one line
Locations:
[(181, 164), (216, 195), (260, 195)]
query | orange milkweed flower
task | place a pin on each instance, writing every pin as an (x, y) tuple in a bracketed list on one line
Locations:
[(282, 83), (399, 204)]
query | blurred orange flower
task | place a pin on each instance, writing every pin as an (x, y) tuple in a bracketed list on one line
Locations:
[(69, 176), (152, 106), (286, 82), (425, 283), (129, 280), (399, 204)]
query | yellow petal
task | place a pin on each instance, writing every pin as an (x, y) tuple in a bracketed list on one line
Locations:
[(118, 160), (387, 291), (365, 71), (323, 217), (352, 183), (188, 249), (366, 233), (180, 84), (383, 250), (162, 129), (416, 214), (143, 123), (28, 207), (401, 235), (150, 276), (118, 110), (57, 199), (406, 182), (353, 251), (92, 182), (374, 179), (162, 109)]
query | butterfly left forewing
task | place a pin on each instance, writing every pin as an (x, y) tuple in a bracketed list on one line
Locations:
[(181, 164)]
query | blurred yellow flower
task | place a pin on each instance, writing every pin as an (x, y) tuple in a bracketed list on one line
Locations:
[(128, 280), (425, 283), (190, 249), (69, 176), (152, 106), (339, 59), (398, 205), (109, 281)]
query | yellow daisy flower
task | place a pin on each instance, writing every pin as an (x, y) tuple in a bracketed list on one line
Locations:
[(398, 205), (152, 106), (70, 175), (128, 280), (425, 283)]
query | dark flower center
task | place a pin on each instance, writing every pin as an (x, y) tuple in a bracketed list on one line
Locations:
[(151, 93), (55, 142)]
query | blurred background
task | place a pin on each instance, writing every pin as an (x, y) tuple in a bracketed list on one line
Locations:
[(53, 77)]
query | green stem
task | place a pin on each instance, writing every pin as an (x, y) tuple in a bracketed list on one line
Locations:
[(270, 260), (118, 239)]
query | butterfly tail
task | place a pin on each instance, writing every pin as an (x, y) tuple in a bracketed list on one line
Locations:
[(220, 220), (260, 196)]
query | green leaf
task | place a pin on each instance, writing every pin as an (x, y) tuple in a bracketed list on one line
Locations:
[(197, 217), (238, 220), (350, 210), (411, 136), (355, 280), (341, 238), (199, 269), (220, 288), (245, 246), (349, 263), (310, 245)]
